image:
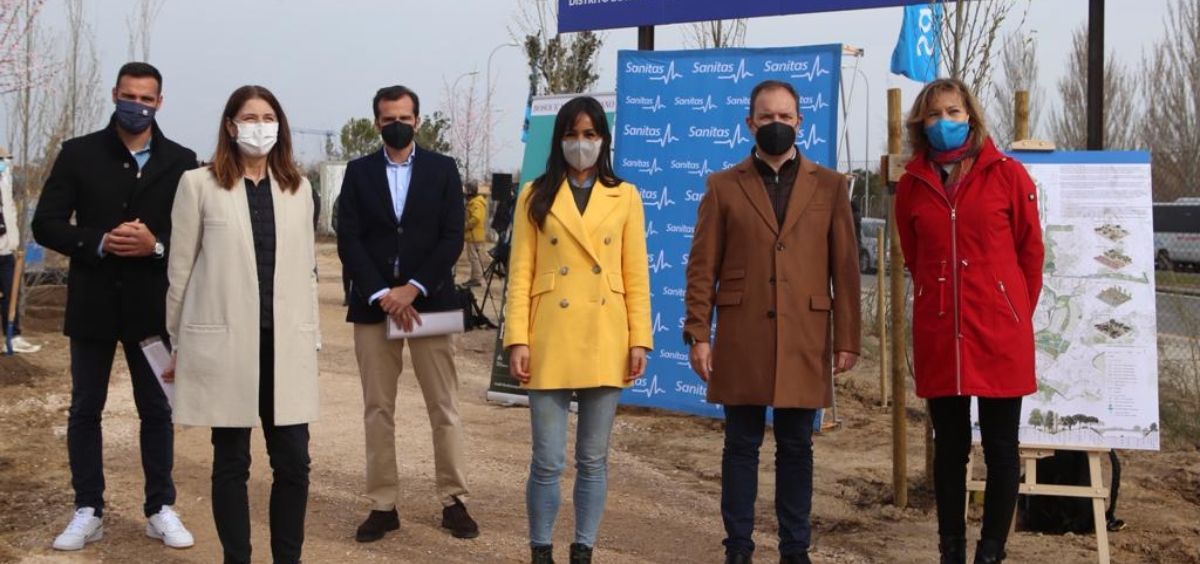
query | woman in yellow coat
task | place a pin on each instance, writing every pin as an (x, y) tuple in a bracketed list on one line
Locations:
[(578, 315)]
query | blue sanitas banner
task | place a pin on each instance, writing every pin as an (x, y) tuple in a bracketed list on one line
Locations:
[(918, 50), (681, 115), (583, 15)]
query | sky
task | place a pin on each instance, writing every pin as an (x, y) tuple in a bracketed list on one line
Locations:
[(325, 59)]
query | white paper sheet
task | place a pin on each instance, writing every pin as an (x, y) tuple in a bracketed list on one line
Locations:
[(432, 325), (159, 358)]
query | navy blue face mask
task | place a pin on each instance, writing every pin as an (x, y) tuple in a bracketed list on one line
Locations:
[(133, 116)]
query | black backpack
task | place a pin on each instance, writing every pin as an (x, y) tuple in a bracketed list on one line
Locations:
[(1060, 515)]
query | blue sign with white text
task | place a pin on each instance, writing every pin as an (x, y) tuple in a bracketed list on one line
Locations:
[(583, 15), (681, 115)]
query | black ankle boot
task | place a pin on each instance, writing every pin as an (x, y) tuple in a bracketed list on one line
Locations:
[(581, 554), (542, 554), (989, 551), (953, 550)]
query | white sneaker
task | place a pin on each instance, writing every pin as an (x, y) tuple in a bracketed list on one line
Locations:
[(166, 526), (20, 345), (85, 527)]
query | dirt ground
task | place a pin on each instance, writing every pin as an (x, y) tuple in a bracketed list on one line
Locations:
[(664, 490)]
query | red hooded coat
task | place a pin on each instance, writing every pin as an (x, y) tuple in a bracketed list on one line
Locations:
[(976, 265)]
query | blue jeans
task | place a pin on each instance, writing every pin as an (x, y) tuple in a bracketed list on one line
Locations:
[(744, 426), (548, 415)]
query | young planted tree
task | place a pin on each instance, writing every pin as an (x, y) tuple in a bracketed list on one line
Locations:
[(1170, 84), (1018, 72), (559, 64), (1068, 126), (969, 35), (715, 34), (140, 24)]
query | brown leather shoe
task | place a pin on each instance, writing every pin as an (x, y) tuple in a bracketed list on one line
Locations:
[(378, 523), (460, 523)]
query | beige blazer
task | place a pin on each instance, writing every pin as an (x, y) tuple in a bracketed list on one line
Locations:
[(213, 309)]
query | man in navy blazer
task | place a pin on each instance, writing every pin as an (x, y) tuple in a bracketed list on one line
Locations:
[(400, 232)]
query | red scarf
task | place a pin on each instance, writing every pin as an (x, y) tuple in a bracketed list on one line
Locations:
[(962, 158)]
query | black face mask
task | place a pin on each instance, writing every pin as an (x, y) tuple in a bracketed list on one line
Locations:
[(397, 135), (775, 138)]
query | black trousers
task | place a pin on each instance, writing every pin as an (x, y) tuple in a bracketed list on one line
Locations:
[(287, 448), (999, 420), (8, 265), (744, 428), (91, 366)]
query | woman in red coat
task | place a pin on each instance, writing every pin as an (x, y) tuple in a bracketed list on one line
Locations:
[(968, 221)]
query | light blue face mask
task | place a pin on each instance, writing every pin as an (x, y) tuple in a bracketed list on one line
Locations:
[(947, 135), (3, 165)]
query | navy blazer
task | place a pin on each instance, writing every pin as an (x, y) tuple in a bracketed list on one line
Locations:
[(378, 251)]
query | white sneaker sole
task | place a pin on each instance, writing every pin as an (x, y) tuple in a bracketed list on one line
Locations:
[(154, 534), (99, 534)]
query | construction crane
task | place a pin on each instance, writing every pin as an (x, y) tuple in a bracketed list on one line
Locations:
[(328, 134)]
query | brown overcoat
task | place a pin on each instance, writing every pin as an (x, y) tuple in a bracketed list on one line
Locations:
[(774, 289)]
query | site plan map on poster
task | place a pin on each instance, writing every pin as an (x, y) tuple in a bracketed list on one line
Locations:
[(1095, 325)]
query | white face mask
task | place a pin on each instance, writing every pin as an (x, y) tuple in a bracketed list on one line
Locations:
[(581, 154), (257, 139)]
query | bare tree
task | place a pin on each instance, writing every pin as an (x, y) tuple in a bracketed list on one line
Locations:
[(18, 69), (468, 126), (1018, 71), (558, 64), (1068, 126), (140, 24), (63, 102), (80, 79), (1171, 86), (969, 31), (715, 33)]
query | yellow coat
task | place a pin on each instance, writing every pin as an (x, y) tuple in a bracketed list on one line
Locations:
[(579, 289), (476, 220)]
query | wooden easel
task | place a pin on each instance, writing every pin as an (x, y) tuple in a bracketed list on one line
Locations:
[(1097, 491)]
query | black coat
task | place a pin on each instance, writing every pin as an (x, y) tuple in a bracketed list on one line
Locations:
[(96, 179), (426, 241)]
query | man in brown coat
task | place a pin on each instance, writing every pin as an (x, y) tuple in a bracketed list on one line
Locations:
[(774, 253)]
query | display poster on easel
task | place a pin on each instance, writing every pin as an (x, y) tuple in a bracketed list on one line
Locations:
[(1095, 325)]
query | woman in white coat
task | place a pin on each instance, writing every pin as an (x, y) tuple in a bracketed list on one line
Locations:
[(242, 315)]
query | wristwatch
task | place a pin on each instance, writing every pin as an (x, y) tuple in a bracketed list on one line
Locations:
[(159, 249)]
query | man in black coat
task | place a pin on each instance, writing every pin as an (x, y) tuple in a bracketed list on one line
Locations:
[(400, 231), (119, 185)]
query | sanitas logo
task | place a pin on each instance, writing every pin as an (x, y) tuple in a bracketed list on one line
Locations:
[(733, 140), (661, 73), (800, 69), (648, 388), (692, 196), (680, 358), (656, 199), (739, 101), (692, 167), (661, 136), (723, 70), (659, 263), (810, 139), (651, 168), (686, 230), (653, 106), (659, 326), (674, 293), (696, 103), (650, 230), (692, 389), (813, 103)]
